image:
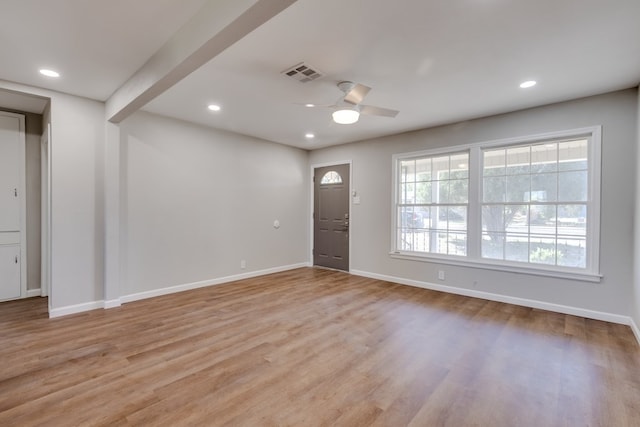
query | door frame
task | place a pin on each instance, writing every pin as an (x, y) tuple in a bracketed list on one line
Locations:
[(45, 212), (312, 198)]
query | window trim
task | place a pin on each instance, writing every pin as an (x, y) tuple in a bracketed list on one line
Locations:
[(474, 221)]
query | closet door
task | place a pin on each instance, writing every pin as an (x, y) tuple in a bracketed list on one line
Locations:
[(12, 236), (9, 272), (10, 145)]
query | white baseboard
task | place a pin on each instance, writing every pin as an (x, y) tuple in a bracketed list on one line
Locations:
[(78, 308), (635, 329), (564, 309), (112, 303), (205, 283), (33, 293)]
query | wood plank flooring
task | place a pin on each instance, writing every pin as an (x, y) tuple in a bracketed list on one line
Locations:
[(312, 347)]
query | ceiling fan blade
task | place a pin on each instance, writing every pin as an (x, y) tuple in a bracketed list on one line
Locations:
[(370, 110), (357, 94)]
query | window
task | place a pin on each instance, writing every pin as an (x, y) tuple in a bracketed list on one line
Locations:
[(524, 204), (331, 177), (432, 208)]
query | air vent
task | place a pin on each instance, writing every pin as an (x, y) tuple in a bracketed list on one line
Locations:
[(303, 72)]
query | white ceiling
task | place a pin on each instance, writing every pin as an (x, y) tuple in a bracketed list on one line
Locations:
[(96, 45), (437, 61)]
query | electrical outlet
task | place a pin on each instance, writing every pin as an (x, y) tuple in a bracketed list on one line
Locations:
[(440, 274), (243, 264)]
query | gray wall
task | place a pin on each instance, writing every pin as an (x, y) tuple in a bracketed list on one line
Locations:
[(33, 132), (196, 201), (636, 296), (371, 220)]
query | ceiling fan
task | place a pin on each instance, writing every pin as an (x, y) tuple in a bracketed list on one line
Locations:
[(348, 108)]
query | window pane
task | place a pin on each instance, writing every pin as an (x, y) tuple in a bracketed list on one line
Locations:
[(460, 166), (493, 189), (542, 250), (457, 244), (542, 219), (423, 170), (544, 158), (441, 245), (443, 218), (493, 245), (406, 240), (407, 171), (573, 155), (516, 247), (544, 187), (423, 192), (541, 215), (458, 191), (420, 241), (493, 218), (457, 218), (516, 218), (572, 252), (493, 162), (518, 188), (518, 160), (442, 195), (572, 220), (441, 167), (572, 186), (407, 193), (410, 218), (422, 216)]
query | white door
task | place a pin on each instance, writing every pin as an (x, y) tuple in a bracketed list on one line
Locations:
[(13, 245), (9, 272), (10, 146)]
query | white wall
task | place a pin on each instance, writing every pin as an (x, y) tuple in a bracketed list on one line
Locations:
[(77, 138), (196, 201), (371, 220), (77, 236)]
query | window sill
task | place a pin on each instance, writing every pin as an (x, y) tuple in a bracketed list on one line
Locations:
[(498, 266)]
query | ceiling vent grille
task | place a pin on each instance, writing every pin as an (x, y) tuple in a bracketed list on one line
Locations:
[(303, 72)]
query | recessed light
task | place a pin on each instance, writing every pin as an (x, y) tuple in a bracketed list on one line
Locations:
[(528, 83), (49, 73), (214, 107), (309, 135), (309, 105)]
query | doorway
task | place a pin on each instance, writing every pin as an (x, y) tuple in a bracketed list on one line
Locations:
[(331, 221)]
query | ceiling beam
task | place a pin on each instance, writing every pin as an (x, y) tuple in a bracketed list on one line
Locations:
[(218, 25)]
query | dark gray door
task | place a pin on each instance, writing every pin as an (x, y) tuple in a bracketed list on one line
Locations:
[(331, 217)]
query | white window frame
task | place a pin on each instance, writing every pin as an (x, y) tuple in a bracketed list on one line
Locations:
[(474, 220)]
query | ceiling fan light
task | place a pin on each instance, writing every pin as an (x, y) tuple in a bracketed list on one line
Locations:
[(345, 117)]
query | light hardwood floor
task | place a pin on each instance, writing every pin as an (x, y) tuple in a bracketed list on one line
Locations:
[(312, 347)]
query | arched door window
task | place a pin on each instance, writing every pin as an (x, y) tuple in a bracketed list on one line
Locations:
[(331, 177)]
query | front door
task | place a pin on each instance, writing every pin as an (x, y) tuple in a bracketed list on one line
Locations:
[(331, 217)]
